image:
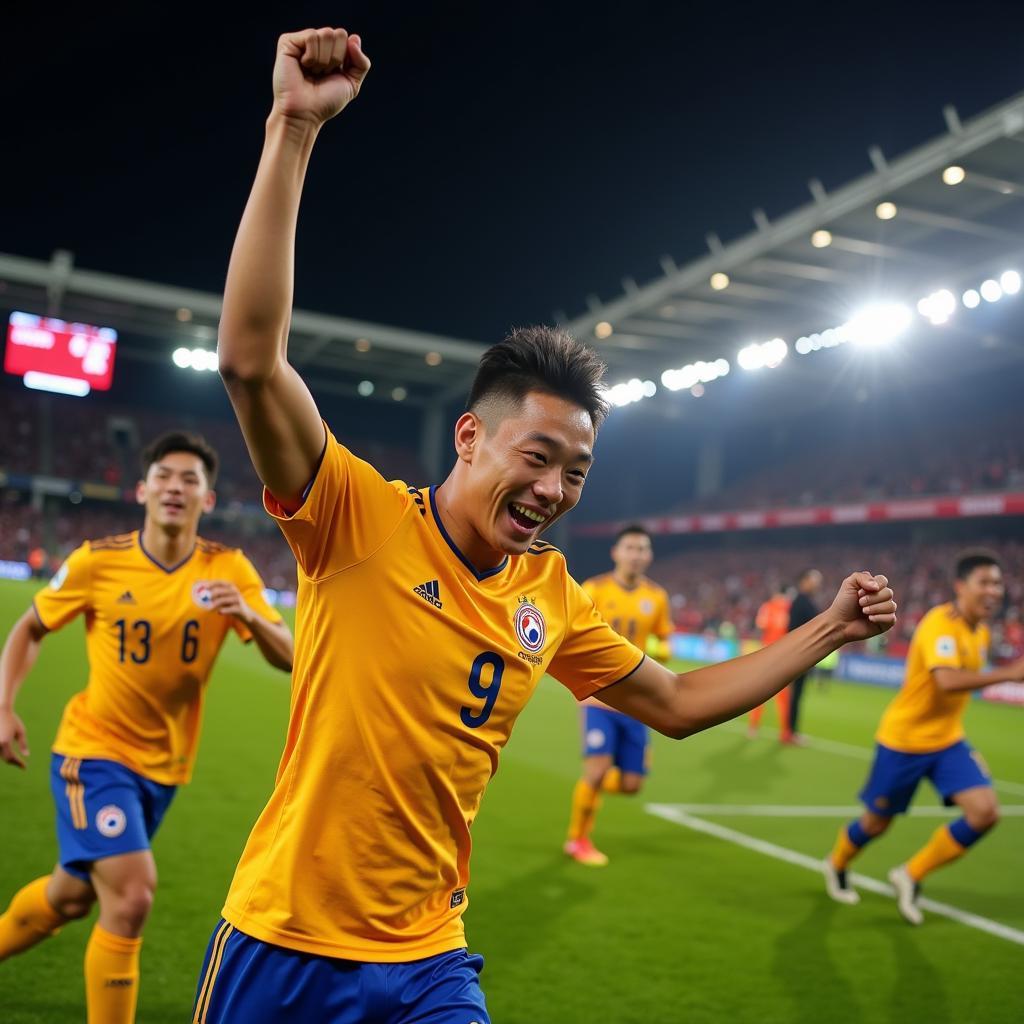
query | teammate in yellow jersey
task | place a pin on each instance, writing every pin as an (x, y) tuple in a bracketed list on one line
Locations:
[(425, 620), (615, 745), (921, 735), (158, 604)]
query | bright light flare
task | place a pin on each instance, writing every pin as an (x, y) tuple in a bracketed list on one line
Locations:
[(878, 324)]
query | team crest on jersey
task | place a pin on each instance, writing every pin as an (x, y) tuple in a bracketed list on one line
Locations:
[(111, 821), (530, 627), (201, 595), (945, 646), (646, 606), (59, 577)]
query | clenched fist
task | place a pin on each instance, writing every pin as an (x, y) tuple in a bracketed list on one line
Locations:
[(864, 606), (318, 72)]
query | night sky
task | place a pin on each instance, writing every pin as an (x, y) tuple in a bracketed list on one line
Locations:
[(503, 160)]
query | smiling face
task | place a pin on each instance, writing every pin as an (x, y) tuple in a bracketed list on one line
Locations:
[(980, 594), (175, 492), (526, 463)]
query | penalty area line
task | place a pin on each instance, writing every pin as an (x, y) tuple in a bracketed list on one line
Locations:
[(672, 813), (813, 811)]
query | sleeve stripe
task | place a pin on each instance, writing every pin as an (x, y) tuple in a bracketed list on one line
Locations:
[(643, 658), (39, 617)]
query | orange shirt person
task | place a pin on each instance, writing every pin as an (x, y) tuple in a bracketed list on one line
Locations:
[(773, 622)]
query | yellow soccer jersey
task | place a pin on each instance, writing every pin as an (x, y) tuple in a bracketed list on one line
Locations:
[(410, 671), (151, 640), (921, 717), (636, 612)]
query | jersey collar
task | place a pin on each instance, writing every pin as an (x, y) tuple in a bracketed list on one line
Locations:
[(158, 563), (487, 574)]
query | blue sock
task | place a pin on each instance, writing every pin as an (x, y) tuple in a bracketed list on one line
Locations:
[(963, 833), (856, 834)]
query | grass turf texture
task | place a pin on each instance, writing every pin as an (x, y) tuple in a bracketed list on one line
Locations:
[(680, 927)]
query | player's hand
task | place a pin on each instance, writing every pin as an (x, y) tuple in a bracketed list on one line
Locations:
[(227, 599), (318, 72), (864, 606), (13, 738)]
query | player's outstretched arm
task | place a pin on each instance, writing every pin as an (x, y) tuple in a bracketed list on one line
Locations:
[(317, 73), (680, 705), (953, 680), (274, 639), (18, 657)]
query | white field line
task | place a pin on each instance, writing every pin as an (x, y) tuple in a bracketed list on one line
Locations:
[(811, 811), (671, 812), (866, 754)]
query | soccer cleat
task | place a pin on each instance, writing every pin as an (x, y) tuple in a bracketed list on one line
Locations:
[(907, 891), (583, 851), (837, 884)]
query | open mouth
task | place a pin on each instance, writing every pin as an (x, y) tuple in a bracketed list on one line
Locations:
[(526, 520)]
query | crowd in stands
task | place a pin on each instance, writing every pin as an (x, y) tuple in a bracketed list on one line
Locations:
[(949, 458), (724, 587)]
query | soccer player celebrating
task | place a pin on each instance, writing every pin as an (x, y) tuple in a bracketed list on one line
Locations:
[(158, 604), (615, 745), (425, 620), (921, 735)]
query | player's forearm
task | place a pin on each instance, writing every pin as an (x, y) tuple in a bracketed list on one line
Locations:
[(259, 288), (274, 640), (714, 694), (19, 655), (955, 680)]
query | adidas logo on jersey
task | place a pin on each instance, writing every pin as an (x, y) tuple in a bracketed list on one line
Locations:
[(126, 598), (429, 591)]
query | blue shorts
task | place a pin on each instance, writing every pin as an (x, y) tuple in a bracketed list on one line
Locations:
[(245, 981), (895, 775), (103, 809), (609, 732)]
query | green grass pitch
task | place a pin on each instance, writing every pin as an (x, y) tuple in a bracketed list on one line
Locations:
[(682, 926)]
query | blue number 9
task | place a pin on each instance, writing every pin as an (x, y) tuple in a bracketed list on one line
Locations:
[(487, 693)]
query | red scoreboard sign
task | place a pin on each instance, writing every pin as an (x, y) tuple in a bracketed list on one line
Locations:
[(53, 355)]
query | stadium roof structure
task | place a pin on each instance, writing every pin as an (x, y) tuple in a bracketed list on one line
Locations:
[(334, 353), (942, 218)]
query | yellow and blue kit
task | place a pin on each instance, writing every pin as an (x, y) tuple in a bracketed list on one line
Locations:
[(411, 668), (130, 736), (637, 613), (921, 734)]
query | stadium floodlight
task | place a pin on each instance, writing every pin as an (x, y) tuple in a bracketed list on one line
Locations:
[(751, 357), (722, 367), (971, 299), (697, 391), (365, 388), (182, 358), (184, 315), (399, 394), (603, 329), (878, 324), (938, 307), (774, 352), (803, 346), (821, 239), (432, 359), (990, 290), (953, 175), (650, 389), (203, 359), (719, 281), (885, 211), (362, 344), (1009, 281)]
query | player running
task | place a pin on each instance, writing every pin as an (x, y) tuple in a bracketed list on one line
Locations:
[(158, 604), (615, 746), (921, 736), (426, 618)]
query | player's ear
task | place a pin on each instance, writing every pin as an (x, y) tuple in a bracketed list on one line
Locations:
[(140, 492), (468, 432), (209, 501)]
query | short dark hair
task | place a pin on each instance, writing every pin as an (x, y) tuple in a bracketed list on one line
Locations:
[(809, 571), (975, 558), (180, 441), (543, 359), (631, 529)]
